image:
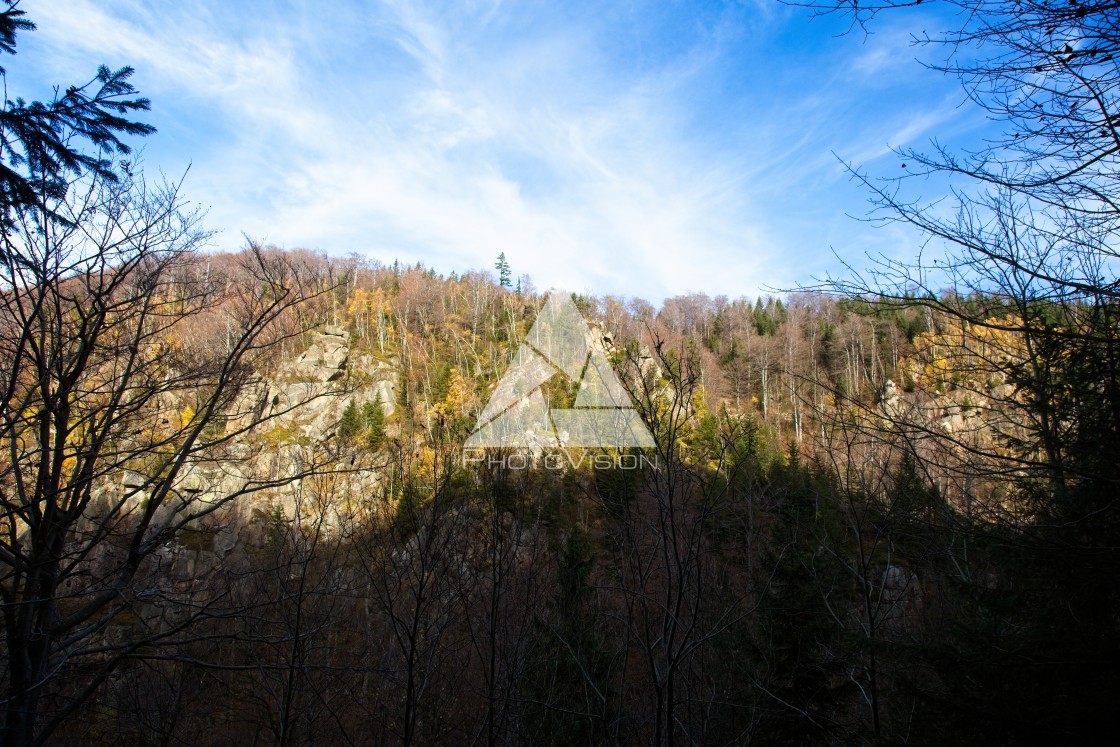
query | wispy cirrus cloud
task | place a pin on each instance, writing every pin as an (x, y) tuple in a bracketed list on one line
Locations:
[(640, 150)]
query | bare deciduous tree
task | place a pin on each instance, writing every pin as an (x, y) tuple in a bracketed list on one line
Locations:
[(121, 421)]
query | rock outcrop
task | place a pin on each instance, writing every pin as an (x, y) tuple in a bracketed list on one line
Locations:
[(326, 359)]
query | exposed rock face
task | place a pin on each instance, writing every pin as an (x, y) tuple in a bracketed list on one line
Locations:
[(384, 386), (302, 403), (900, 596), (953, 412), (326, 359), (601, 340), (890, 399), (306, 397), (961, 419)]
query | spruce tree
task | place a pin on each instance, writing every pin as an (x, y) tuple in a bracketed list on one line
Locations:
[(350, 424), (374, 414), (504, 275)]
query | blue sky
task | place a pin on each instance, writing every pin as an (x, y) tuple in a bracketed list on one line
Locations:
[(637, 149)]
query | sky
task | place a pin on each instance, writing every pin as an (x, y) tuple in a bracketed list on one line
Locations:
[(636, 149)]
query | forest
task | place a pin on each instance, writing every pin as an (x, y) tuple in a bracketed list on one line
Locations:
[(236, 506)]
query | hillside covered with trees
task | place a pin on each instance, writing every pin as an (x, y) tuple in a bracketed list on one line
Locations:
[(852, 526), (236, 506)]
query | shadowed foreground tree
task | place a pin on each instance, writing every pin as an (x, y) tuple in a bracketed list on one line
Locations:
[(1030, 250), (121, 412), (1025, 332), (667, 525)]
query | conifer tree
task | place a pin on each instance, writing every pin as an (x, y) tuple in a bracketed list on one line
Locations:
[(502, 266), (350, 424), (40, 141), (374, 415)]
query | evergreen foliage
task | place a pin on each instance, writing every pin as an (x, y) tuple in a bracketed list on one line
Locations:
[(504, 275), (350, 424), (374, 414), (40, 142)]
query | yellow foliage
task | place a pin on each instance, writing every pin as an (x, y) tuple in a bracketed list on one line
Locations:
[(967, 354), (186, 416)]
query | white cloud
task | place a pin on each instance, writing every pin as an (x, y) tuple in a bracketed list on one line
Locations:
[(451, 135)]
